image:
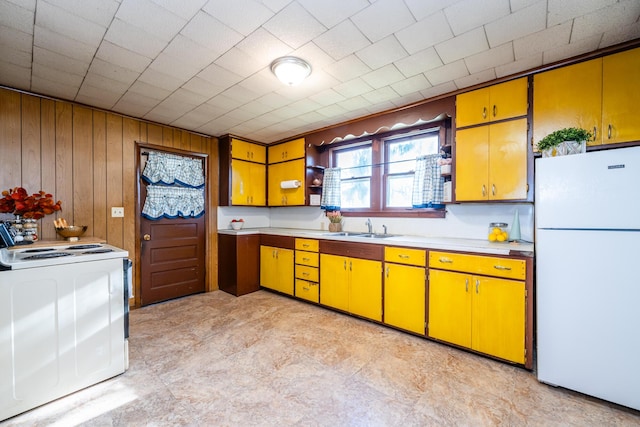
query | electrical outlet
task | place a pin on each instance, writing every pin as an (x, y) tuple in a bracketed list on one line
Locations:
[(117, 212)]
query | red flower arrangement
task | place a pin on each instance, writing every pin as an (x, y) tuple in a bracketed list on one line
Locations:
[(18, 202)]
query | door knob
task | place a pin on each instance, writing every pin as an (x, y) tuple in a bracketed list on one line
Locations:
[(146, 237)]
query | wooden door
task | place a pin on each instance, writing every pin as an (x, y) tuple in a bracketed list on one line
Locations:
[(450, 307), (172, 254), (404, 297)]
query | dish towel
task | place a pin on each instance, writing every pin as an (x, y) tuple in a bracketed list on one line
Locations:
[(330, 200), (170, 169), (428, 184)]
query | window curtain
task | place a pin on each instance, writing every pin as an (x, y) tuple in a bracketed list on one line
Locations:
[(170, 169), (175, 186), (428, 184), (330, 200)]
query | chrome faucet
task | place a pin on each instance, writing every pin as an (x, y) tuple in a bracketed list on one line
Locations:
[(384, 227), (370, 225)]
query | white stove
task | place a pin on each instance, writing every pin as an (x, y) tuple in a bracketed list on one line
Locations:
[(22, 257)]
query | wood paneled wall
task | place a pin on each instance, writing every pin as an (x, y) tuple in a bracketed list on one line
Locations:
[(86, 158)]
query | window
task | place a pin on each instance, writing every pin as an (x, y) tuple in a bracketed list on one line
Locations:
[(377, 174)]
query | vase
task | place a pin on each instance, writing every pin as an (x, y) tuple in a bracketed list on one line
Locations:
[(565, 148), (335, 227)]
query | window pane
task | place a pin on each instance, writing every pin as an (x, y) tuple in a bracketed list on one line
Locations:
[(354, 163), (406, 150), (356, 193), (399, 189)]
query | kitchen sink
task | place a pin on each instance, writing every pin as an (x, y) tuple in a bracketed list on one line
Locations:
[(375, 235), (346, 234)]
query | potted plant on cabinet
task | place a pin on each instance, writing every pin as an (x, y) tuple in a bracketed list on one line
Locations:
[(564, 141)]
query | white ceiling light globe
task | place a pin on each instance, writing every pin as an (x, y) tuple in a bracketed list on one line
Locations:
[(290, 70)]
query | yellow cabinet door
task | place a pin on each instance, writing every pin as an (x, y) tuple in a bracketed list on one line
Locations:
[(491, 162), (276, 269), (365, 288), (450, 307), (287, 171), (568, 97), (248, 151), (287, 151), (248, 183), (472, 164), (621, 97), (498, 326), (404, 297), (334, 282), (493, 103)]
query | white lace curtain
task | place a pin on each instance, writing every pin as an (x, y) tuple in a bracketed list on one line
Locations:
[(175, 186), (428, 183)]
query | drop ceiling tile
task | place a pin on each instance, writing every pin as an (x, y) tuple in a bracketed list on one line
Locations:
[(353, 88), (524, 64), (327, 97), (411, 85), (190, 54), (136, 101), (425, 33), (355, 103), (408, 99), (283, 113), (240, 94), (273, 100), (188, 97), (133, 38), (305, 105), (421, 9), (49, 83), (275, 5), (261, 82), (332, 12), (621, 34), (207, 31), (597, 22), (550, 38), (16, 40), (15, 76), (573, 49), (203, 87), (240, 62), (240, 115), (151, 18), (382, 52), (438, 90), (477, 78), (316, 57), (490, 58), (100, 12), (347, 68), (59, 62), (160, 80), (342, 40), (62, 22), (382, 18), (244, 16), (294, 26), (63, 45), (463, 45), (16, 57), (263, 47), (113, 71), (219, 76), (526, 21), (255, 108), (99, 82), (332, 111), (185, 9), (380, 95), (149, 90), (97, 96), (122, 57), (178, 68), (467, 15), (383, 76), (224, 101), (564, 10), (451, 71), (189, 121), (16, 17), (419, 62)]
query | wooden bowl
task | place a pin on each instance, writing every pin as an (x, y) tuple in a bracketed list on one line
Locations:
[(72, 233)]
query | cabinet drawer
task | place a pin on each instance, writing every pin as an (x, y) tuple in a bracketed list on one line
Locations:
[(307, 258), (310, 245), (307, 290), (478, 264), (305, 272), (406, 256)]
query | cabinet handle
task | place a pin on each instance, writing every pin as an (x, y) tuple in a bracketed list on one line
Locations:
[(484, 190), (445, 260), (305, 245), (305, 274), (493, 189), (466, 285), (609, 131), (350, 266), (484, 112), (495, 111), (401, 256), (595, 133), (345, 264), (306, 259), (501, 267), (477, 285), (304, 288)]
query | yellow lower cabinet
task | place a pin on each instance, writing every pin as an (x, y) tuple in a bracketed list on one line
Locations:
[(351, 284), (307, 290), (404, 297), (276, 269), (482, 313)]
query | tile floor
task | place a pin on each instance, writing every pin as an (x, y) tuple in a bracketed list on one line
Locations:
[(267, 360)]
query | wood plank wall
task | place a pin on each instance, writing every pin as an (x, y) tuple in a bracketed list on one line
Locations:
[(86, 158)]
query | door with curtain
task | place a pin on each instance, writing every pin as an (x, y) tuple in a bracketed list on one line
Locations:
[(172, 223)]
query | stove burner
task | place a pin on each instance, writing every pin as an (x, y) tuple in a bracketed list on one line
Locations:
[(38, 250), (98, 251), (79, 247), (49, 255)]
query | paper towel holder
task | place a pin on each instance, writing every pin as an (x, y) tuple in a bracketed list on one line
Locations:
[(294, 183)]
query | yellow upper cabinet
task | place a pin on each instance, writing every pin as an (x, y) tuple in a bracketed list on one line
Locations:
[(621, 97), (491, 162), (493, 103), (293, 170), (287, 151), (600, 95), (248, 183), (248, 151)]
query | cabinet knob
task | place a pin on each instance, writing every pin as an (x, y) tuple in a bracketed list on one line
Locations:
[(484, 112), (495, 111)]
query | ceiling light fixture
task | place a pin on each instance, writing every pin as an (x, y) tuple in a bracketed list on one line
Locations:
[(291, 70)]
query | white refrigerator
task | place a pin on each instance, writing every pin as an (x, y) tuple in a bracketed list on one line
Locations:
[(587, 215)]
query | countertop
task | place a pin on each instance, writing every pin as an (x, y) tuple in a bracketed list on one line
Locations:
[(435, 243)]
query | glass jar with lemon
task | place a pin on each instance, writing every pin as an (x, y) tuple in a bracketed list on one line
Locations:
[(498, 232)]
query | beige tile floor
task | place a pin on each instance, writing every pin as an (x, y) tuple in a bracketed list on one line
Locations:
[(267, 360)]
